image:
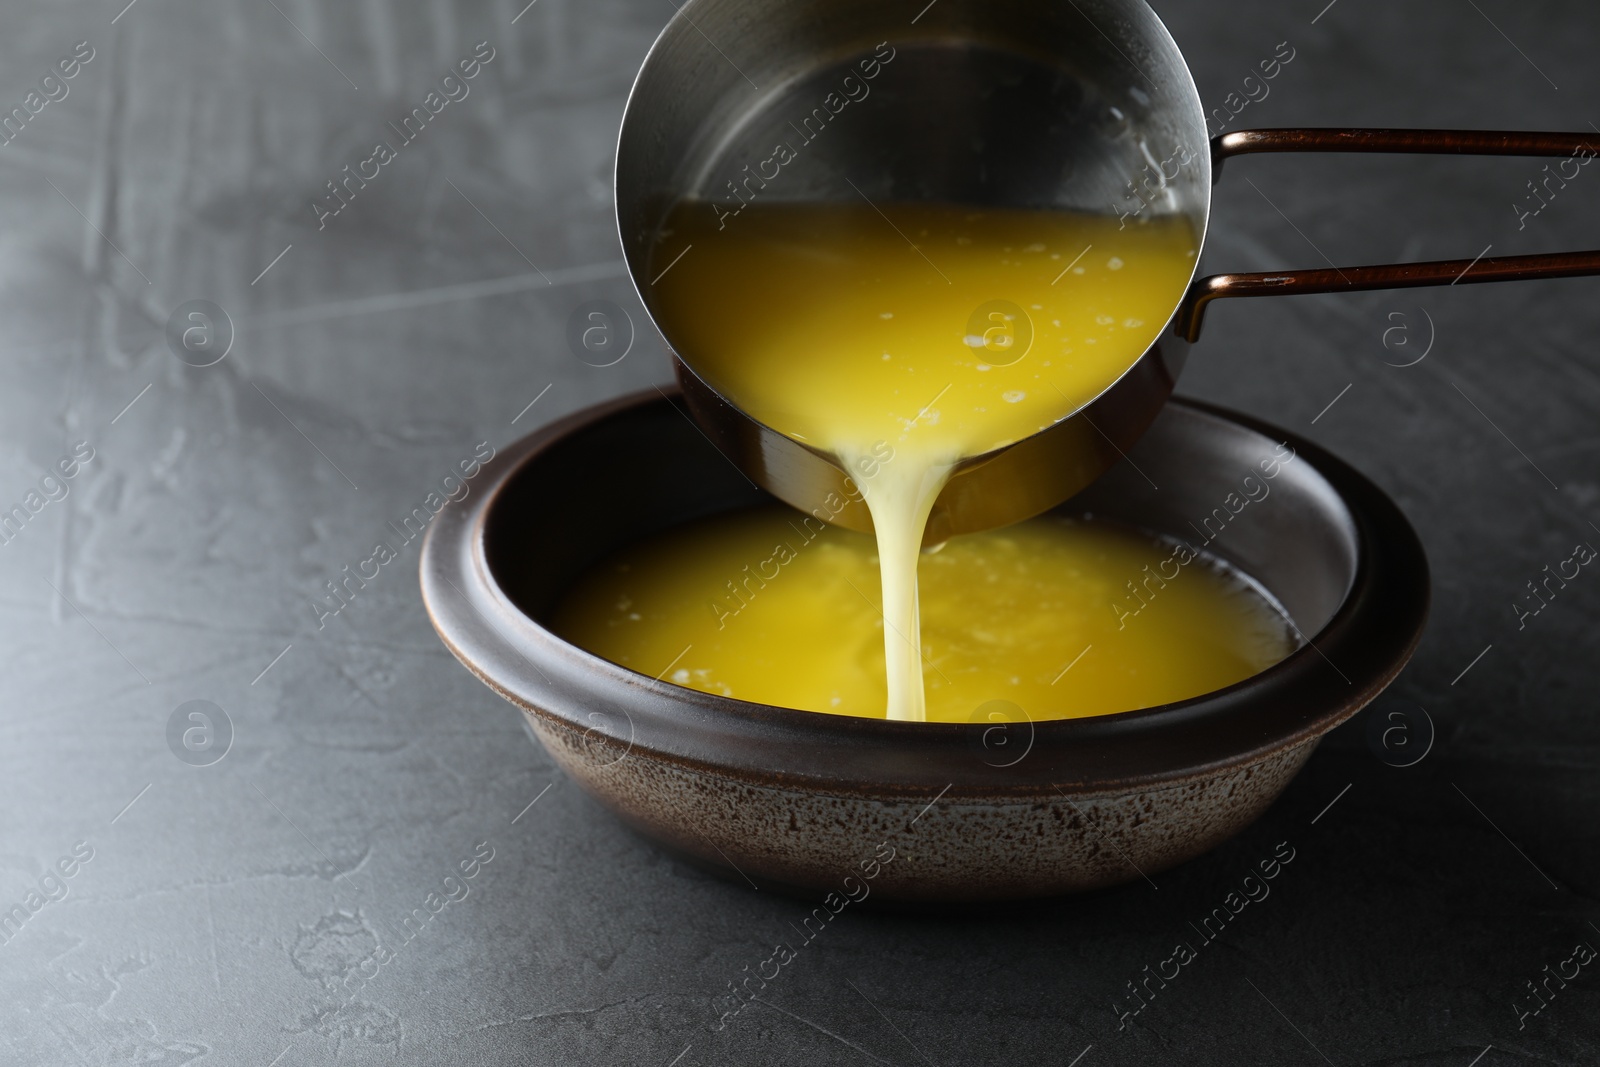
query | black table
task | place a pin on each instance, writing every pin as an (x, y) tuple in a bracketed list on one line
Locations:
[(231, 912)]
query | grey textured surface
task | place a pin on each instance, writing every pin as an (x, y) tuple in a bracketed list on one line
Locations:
[(231, 914)]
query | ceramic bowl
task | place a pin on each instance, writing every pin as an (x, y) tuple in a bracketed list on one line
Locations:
[(929, 812)]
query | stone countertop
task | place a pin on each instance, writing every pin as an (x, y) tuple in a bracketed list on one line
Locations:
[(218, 913)]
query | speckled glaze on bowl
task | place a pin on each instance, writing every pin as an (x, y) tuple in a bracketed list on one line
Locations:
[(968, 812)]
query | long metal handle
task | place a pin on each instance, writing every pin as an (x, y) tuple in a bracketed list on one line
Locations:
[(1411, 142), (1191, 313)]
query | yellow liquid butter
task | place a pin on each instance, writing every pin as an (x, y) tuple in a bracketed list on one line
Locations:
[(759, 606), (871, 332)]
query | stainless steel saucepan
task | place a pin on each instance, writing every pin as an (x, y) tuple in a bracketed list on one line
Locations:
[(1077, 105)]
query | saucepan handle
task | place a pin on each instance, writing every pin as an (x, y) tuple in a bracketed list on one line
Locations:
[(1580, 146)]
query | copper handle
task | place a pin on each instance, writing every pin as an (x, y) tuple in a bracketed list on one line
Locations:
[(1191, 313)]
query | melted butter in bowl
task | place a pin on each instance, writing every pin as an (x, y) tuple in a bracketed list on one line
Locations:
[(1057, 617)]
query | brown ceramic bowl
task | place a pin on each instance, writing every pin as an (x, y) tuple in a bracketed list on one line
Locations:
[(928, 812)]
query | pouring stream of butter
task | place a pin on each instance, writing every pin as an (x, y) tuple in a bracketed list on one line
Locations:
[(904, 337)]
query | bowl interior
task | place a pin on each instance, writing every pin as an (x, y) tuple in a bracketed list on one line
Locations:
[(1195, 476)]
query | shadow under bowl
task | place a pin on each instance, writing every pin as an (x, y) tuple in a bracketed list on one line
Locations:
[(929, 812)]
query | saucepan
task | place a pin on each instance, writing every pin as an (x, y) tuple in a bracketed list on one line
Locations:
[(1082, 105)]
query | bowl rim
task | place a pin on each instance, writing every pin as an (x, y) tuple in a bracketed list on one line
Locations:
[(618, 712)]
